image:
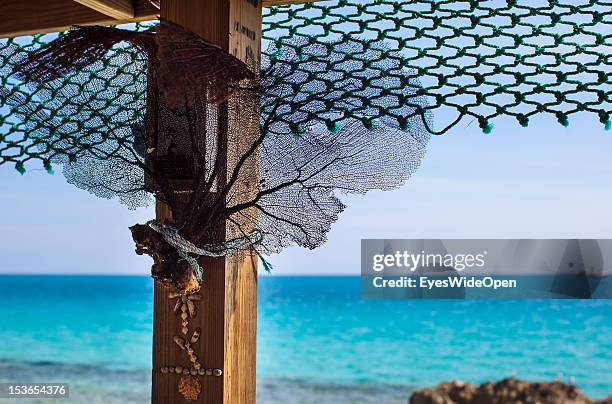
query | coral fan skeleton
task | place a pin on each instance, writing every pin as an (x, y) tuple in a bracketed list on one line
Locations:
[(278, 190)]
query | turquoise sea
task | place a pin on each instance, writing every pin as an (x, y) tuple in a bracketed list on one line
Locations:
[(318, 341)]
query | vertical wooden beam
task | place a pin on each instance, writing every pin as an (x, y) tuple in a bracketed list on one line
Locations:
[(227, 314)]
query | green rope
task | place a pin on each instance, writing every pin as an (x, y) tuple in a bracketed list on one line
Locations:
[(478, 59), (475, 60), (185, 247)]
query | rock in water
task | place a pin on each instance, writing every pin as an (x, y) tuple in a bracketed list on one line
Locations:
[(507, 391)]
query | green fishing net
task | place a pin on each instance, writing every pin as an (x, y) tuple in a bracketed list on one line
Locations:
[(479, 59), (44, 121), (466, 59)]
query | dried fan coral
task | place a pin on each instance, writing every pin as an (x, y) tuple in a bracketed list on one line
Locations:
[(186, 66), (178, 140)]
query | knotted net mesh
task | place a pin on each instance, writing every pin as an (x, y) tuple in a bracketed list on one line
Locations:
[(345, 100), (189, 142), (475, 59), (479, 59)]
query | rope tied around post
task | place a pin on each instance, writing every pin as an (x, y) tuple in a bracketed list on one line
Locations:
[(186, 249)]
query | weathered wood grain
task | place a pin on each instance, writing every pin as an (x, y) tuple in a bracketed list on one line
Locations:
[(227, 314), (26, 17), (117, 9)]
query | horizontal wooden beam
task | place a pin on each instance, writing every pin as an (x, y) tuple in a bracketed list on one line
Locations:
[(26, 17), (269, 3), (117, 9)]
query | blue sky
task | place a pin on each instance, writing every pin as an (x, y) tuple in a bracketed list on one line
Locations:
[(543, 181)]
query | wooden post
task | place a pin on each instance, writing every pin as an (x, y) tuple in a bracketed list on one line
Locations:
[(227, 313)]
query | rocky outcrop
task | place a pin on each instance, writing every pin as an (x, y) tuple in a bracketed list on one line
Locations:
[(507, 391)]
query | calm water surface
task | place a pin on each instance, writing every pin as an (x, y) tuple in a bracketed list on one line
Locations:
[(318, 341)]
